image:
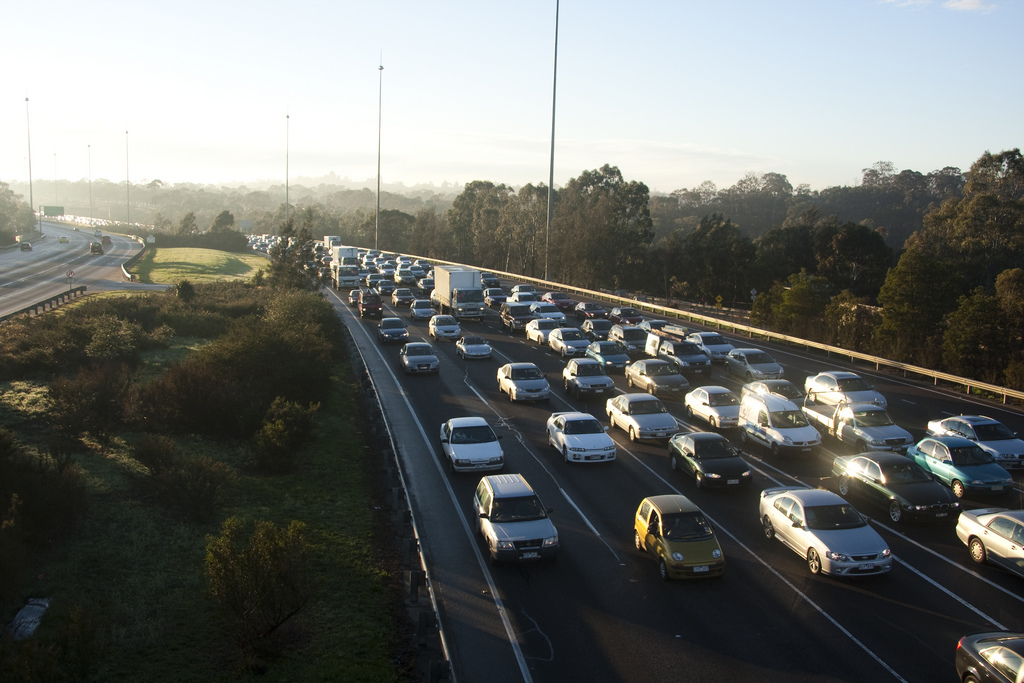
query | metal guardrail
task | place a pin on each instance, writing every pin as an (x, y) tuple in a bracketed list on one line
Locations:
[(968, 385), (47, 304)]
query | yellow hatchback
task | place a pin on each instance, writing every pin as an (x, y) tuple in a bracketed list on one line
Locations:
[(678, 535)]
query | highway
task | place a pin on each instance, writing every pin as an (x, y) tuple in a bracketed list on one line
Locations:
[(601, 612), (30, 276)]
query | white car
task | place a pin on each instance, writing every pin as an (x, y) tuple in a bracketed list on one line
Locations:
[(538, 329), (444, 327), (833, 388), (470, 444), (717, 406), (543, 309), (579, 437), (994, 535), (568, 341), (523, 382), (641, 416), (992, 435), (472, 347), (825, 530), (712, 344)]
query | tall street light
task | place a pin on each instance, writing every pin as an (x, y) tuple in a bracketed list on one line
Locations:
[(287, 134), (28, 132), (127, 182), (56, 199), (380, 92), (89, 148), (551, 170)]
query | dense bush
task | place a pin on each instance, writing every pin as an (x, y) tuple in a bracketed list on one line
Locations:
[(92, 401), (262, 580), (192, 487), (284, 429)]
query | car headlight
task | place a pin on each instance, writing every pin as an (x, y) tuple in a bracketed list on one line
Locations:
[(917, 508), (886, 553), (746, 474), (506, 545), (551, 541), (578, 450), (876, 442), (712, 475), (716, 553), (978, 482), (678, 557), (836, 557), (787, 439)]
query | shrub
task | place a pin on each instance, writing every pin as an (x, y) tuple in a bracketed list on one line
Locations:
[(263, 580), (91, 401), (284, 429), (156, 452), (195, 487)]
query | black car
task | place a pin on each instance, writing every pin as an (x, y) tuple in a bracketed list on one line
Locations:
[(897, 484), (709, 458), (596, 329), (392, 330), (489, 280), (996, 656)]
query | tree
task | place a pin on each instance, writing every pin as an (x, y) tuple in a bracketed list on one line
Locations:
[(975, 343), (187, 226), (465, 216), (852, 257), (225, 220), (523, 224), (16, 217), (716, 258)]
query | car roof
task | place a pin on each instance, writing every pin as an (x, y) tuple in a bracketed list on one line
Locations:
[(839, 374), (636, 398), (705, 436), (574, 415), (670, 503), (713, 389), (518, 366), (952, 441), (772, 402), (882, 457), (467, 422), (1017, 515), (748, 350), (585, 361), (508, 485), (975, 419), (814, 496)]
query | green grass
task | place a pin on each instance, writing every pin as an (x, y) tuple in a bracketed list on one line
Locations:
[(136, 571), (170, 266)]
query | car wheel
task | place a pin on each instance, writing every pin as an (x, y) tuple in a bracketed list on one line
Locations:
[(813, 561), (689, 412), (769, 530), (861, 447), (895, 511), (698, 480), (977, 550), (844, 486), (775, 450), (632, 434), (958, 488), (970, 678), (563, 353), (662, 569), (565, 453), (637, 541), (673, 463)]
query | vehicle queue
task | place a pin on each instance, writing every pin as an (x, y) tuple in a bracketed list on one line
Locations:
[(826, 530)]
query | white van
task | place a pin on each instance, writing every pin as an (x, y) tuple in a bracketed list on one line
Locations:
[(777, 424)]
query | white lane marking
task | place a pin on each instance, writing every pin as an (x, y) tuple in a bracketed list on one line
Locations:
[(492, 587), (952, 595)]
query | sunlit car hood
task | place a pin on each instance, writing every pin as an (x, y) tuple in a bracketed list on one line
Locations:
[(670, 381), (476, 348), (869, 396), (857, 541), (697, 552), (1003, 446), (888, 432), (588, 441), (726, 411), (476, 451), (654, 421), (519, 531)]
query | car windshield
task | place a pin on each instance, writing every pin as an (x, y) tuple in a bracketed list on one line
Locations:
[(629, 312), (370, 299), (993, 431), (583, 427), (589, 369), (713, 340), (469, 296), (403, 292), (908, 472), (391, 324), (558, 295), (853, 384), (969, 455), (827, 517), (444, 320), (788, 419), (418, 350), (421, 304), (687, 349), (527, 373), (521, 509), (609, 348), (634, 334), (787, 389), (472, 341), (713, 448), (571, 334), (872, 418), (525, 288), (646, 407), (493, 292), (722, 399), (600, 325), (759, 358), (547, 324), (474, 434), (685, 526), (593, 307), (660, 369)]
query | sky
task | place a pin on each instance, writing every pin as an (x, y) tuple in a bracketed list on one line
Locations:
[(673, 92)]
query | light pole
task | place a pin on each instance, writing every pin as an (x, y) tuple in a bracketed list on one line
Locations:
[(89, 148), (127, 182), (380, 92), (56, 199), (551, 170), (287, 134), (28, 132)]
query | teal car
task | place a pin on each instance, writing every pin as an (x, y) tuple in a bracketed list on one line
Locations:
[(609, 354), (960, 464)]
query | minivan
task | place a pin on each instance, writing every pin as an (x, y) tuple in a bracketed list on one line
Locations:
[(776, 424)]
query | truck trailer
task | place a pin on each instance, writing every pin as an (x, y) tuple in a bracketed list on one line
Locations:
[(458, 292)]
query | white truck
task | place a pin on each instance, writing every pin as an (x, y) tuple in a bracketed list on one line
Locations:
[(458, 292), (865, 426), (344, 276), (346, 256)]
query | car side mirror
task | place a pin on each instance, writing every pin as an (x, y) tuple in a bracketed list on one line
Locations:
[(798, 525), (483, 515), (606, 428), (444, 440)]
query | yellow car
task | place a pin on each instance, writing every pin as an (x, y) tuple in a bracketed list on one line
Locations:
[(63, 240), (674, 530)]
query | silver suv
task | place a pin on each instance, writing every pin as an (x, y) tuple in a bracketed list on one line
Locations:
[(512, 520)]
